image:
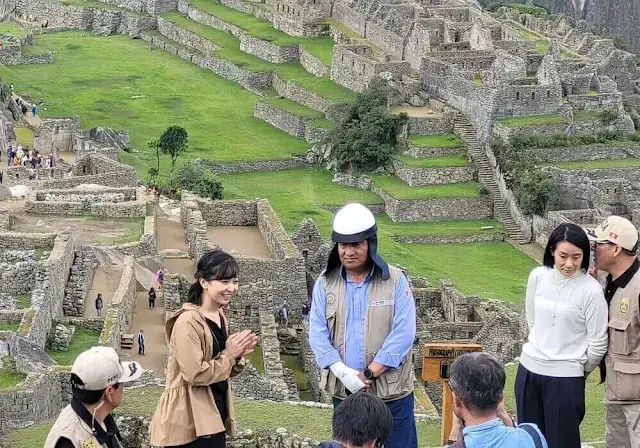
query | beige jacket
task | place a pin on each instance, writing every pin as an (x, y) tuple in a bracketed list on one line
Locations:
[(72, 427), (186, 409)]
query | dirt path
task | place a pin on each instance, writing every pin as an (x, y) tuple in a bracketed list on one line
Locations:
[(105, 281), (152, 322), (242, 240), (171, 235), (29, 117)]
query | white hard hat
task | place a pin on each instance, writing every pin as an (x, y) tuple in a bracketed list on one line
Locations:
[(353, 223)]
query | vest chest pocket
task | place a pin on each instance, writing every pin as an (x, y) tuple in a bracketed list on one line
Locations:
[(627, 380), (619, 338)]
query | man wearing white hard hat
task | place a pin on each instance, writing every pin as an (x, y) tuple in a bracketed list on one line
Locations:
[(97, 378), (616, 243), (363, 323)]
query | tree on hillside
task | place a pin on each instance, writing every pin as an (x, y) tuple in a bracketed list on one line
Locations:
[(155, 144), (198, 179), (365, 135), (173, 141)]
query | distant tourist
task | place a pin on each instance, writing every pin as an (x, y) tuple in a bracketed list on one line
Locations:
[(567, 319), (616, 244), (477, 383), (152, 298), (284, 314), (203, 359), (362, 306), (361, 421), (34, 110), (99, 305), (96, 388), (141, 342), (305, 312), (160, 279)]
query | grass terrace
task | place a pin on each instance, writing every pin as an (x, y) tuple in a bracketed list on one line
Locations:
[(230, 51), (400, 190), (12, 28), (312, 116), (438, 228), (9, 377), (600, 164), (33, 49), (320, 47), (9, 327), (353, 35), (82, 340), (24, 136), (533, 120), (434, 162), (142, 91), (436, 141)]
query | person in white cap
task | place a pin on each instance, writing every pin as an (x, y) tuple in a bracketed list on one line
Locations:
[(616, 243), (363, 323), (97, 378)]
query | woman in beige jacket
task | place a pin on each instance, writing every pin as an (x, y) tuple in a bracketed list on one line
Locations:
[(195, 409)]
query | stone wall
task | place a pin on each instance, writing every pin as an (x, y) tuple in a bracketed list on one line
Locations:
[(48, 295), (60, 337), (83, 195), (119, 315), (310, 366), (313, 65), (136, 209), (418, 152), (148, 243), (228, 213), (416, 177), (56, 134), (195, 226), (281, 119), (269, 52), (115, 180), (295, 92), (11, 316), (79, 282), (252, 167), (581, 153), (430, 126), (176, 288), (475, 238)]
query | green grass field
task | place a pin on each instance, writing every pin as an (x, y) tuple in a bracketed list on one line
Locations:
[(320, 47), (144, 92), (436, 141), (24, 136), (9, 377), (293, 107), (12, 28), (600, 164), (230, 51), (434, 162), (400, 190), (81, 341), (533, 120), (9, 327)]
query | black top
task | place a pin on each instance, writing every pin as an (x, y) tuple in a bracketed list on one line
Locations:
[(610, 290), (152, 294), (219, 389)]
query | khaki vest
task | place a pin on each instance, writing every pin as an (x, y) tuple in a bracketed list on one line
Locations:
[(392, 384), (623, 358), (72, 427)]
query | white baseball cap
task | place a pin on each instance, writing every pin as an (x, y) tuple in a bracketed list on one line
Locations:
[(616, 230), (353, 223), (100, 367)]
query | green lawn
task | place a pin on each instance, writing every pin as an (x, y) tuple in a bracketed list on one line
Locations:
[(542, 46), (533, 120), (437, 228), (12, 28), (82, 340), (230, 51), (434, 162), (256, 359), (24, 301), (436, 141), (9, 377), (600, 164), (144, 92), (33, 49), (293, 107), (133, 229), (320, 47), (400, 190), (293, 362), (592, 428), (9, 327), (24, 136)]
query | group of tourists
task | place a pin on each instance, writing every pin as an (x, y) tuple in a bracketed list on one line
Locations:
[(362, 326), (28, 158)]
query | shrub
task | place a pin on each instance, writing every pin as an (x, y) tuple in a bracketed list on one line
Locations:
[(526, 9), (608, 116), (198, 179), (365, 136), (535, 191), (528, 141), (636, 137)]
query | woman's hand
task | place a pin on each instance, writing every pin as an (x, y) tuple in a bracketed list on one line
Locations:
[(240, 342), (251, 346)]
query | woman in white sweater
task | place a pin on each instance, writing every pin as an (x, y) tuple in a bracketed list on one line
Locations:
[(567, 317)]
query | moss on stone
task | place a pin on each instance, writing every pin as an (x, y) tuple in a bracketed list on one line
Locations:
[(27, 319)]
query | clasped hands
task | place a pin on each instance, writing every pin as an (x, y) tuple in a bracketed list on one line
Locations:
[(352, 379), (242, 343)]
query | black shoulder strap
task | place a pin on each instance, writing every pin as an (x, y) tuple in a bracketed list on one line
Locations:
[(531, 430)]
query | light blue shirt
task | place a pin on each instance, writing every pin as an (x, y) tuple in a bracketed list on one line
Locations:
[(496, 435), (395, 347)]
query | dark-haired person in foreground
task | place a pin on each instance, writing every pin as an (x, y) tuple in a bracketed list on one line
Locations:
[(195, 409), (477, 384), (361, 421), (567, 319), (96, 385)]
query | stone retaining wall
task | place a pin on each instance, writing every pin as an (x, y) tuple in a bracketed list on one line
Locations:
[(48, 295), (148, 243), (60, 337), (21, 241), (119, 315), (277, 54), (252, 167), (581, 153), (137, 209), (431, 126), (81, 195), (416, 177), (90, 323), (444, 239), (418, 152), (108, 180), (313, 65), (18, 277), (280, 118), (195, 226), (79, 282), (297, 93)]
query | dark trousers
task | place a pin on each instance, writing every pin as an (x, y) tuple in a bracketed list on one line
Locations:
[(215, 441), (403, 432), (555, 404), (152, 303)]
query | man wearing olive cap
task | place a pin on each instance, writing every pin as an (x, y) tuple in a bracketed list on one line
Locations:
[(616, 243), (363, 323)]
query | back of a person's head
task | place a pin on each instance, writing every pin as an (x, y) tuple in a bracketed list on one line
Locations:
[(478, 380), (360, 418)]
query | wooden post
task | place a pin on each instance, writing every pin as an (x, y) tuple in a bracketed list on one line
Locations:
[(437, 357)]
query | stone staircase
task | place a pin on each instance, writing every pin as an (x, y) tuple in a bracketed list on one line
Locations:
[(501, 212)]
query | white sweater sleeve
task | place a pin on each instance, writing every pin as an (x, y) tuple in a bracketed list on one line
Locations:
[(530, 296), (596, 315)]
